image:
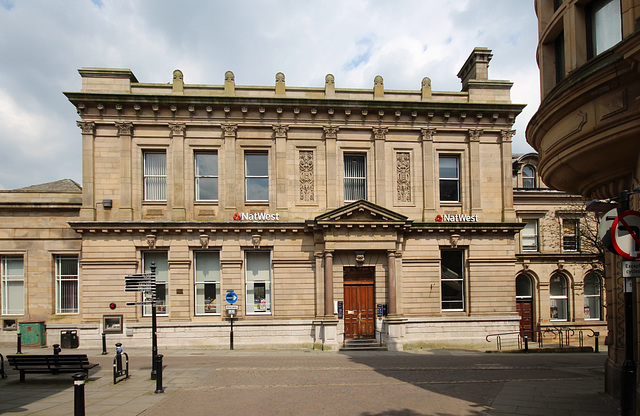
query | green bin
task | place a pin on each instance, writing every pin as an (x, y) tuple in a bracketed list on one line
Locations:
[(33, 334)]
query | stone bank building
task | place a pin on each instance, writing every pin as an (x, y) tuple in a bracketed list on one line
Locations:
[(333, 214)]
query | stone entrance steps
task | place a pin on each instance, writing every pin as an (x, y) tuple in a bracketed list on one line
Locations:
[(362, 344)]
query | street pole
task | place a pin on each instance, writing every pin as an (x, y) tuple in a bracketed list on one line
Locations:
[(154, 339), (628, 369)]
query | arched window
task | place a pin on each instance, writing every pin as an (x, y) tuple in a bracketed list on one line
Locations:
[(592, 297), (529, 177), (524, 289), (558, 297)]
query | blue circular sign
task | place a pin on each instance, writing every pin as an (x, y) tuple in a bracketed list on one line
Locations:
[(232, 297)]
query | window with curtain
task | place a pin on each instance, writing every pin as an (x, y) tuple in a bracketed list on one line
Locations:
[(206, 176), (452, 280), (12, 275), (529, 235), (67, 280), (570, 234), (256, 176), (207, 282), (604, 26), (155, 176), (449, 179), (528, 177), (355, 176), (592, 297), (162, 280), (558, 298), (258, 282)]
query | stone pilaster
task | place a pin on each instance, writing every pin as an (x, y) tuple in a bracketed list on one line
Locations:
[(331, 137), (380, 163), (429, 184), (125, 210), (280, 132), (88, 209), (508, 212), (475, 176), (177, 200), (328, 283), (234, 196), (391, 282)]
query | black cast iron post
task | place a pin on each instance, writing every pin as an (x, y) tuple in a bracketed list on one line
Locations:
[(154, 339), (78, 394)]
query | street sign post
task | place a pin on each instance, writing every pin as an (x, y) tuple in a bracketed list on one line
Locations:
[(625, 234), (631, 269)]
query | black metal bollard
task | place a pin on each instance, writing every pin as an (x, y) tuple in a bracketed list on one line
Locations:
[(526, 343), (78, 394), (56, 349), (159, 388), (596, 349), (104, 344), (19, 351)]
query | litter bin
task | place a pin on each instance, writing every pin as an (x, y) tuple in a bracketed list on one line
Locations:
[(33, 334), (69, 339)]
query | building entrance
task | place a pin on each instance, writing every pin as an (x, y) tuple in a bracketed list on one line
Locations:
[(359, 302)]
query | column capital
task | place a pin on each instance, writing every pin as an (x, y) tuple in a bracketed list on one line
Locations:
[(331, 132), (380, 133), (506, 135), (474, 134), (177, 129), (229, 130), (280, 130), (87, 127), (427, 134), (124, 128)]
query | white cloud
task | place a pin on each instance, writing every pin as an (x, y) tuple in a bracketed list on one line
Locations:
[(354, 40)]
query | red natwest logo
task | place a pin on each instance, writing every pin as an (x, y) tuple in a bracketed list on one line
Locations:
[(237, 217), (439, 218)]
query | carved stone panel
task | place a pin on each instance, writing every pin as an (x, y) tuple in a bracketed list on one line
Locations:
[(306, 175), (403, 176)]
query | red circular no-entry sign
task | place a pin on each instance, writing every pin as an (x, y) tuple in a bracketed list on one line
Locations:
[(625, 234)]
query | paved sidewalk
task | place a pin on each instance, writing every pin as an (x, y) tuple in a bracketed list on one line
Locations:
[(304, 382)]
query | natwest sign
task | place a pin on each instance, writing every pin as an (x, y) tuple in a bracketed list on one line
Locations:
[(258, 216), (456, 218)]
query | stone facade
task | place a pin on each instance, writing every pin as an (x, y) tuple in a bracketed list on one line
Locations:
[(332, 213)]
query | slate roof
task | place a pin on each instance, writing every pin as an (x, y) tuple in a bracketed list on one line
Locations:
[(63, 185)]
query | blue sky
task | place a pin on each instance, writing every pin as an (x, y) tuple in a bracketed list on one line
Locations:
[(43, 45)]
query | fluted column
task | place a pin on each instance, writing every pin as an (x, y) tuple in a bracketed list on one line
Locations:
[(328, 283), (125, 210), (88, 209)]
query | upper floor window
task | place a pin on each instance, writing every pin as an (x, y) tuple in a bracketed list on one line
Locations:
[(206, 176), (449, 179), (12, 273), (452, 280), (207, 282), (529, 235), (258, 282), (155, 176), (256, 176), (559, 57), (604, 26), (355, 177), (159, 259), (592, 297), (528, 177), (67, 280), (570, 234)]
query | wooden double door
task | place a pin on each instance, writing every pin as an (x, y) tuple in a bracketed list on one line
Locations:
[(359, 302)]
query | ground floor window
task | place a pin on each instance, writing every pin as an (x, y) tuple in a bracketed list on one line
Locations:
[(558, 298), (452, 280), (258, 282), (207, 282), (159, 258), (67, 280), (12, 275), (592, 297)]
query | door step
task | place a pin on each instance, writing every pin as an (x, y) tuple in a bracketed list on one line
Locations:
[(363, 345)]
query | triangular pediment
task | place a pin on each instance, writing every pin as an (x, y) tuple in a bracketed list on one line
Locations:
[(361, 212)]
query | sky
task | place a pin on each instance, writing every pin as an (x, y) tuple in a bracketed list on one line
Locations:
[(43, 43)]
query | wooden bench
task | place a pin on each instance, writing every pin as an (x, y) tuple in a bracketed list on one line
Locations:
[(54, 364)]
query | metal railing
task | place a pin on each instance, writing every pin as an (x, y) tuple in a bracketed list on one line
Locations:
[(562, 334)]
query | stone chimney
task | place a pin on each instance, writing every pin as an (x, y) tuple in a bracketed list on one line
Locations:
[(476, 68)]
